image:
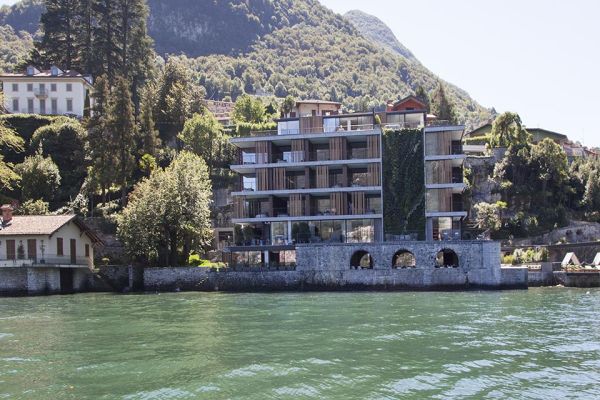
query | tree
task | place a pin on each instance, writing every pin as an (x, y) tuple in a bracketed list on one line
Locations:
[(488, 216), (287, 106), (33, 207), (508, 130), (40, 178), (280, 90), (548, 163), (203, 135), (168, 213), (441, 106), (121, 123), (64, 140), (100, 145), (11, 141), (147, 128), (59, 27), (173, 100), (248, 110), (422, 95)]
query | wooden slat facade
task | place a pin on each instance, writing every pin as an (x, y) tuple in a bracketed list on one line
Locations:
[(358, 201), (263, 152), (296, 205), (311, 124), (279, 179), (300, 150), (239, 207), (374, 174), (263, 179), (338, 149), (322, 176), (373, 147), (339, 203)]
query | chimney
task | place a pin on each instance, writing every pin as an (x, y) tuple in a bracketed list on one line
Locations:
[(7, 211)]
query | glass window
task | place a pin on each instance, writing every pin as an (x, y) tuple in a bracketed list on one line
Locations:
[(69, 87), (414, 120), (330, 124), (15, 105), (288, 127), (30, 87), (69, 105), (42, 106), (249, 183), (323, 206), (248, 157), (54, 106), (30, 106), (42, 87), (15, 87), (360, 231), (53, 87), (333, 231), (279, 232)]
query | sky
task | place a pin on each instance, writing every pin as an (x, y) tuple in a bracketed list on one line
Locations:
[(539, 58)]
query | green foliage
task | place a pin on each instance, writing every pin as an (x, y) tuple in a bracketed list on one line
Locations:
[(203, 135), (148, 132), (9, 141), (484, 139), (404, 210), (33, 207), (288, 105), (244, 128), (147, 164), (168, 213), (441, 106), (196, 261), (529, 255), (508, 130), (40, 178), (24, 125), (488, 216), (64, 141), (248, 110), (14, 48)]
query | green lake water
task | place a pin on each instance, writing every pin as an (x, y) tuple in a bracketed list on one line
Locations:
[(535, 344)]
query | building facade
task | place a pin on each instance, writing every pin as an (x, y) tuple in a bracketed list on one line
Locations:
[(51, 92)]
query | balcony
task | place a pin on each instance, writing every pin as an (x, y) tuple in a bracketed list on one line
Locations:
[(41, 93), (50, 261), (285, 131)]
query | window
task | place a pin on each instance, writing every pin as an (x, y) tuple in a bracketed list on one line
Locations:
[(42, 106), (15, 105), (42, 88), (30, 106), (30, 87), (15, 87), (87, 250), (59, 247), (54, 106), (53, 87), (69, 87), (69, 105)]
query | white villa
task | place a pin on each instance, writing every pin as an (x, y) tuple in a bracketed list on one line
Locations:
[(53, 91)]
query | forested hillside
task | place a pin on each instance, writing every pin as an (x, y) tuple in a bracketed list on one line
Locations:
[(295, 47)]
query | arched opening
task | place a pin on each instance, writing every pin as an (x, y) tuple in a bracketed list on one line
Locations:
[(446, 258), (404, 259), (361, 259)]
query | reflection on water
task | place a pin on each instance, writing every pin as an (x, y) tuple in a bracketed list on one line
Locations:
[(536, 344)]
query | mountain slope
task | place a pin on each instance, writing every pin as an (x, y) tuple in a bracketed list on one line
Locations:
[(378, 32), (296, 47)]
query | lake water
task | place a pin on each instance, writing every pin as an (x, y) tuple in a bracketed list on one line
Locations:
[(536, 344)]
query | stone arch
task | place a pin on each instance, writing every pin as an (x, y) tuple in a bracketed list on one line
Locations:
[(404, 259), (446, 258), (361, 259)]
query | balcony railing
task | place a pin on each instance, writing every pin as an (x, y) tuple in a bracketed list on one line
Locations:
[(284, 212), (304, 131), (41, 92), (46, 261)]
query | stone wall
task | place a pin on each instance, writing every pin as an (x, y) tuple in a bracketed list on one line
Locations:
[(578, 279), (540, 274), (40, 280), (327, 267), (585, 251)]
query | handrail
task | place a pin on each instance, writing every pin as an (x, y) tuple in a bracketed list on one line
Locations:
[(321, 129)]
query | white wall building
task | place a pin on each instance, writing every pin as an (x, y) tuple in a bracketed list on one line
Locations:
[(54, 92)]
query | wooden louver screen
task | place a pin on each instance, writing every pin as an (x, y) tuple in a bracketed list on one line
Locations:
[(339, 206), (311, 124), (374, 174), (337, 148), (373, 150), (263, 152), (322, 176), (299, 147), (263, 181), (359, 203), (239, 207), (279, 179), (296, 205)]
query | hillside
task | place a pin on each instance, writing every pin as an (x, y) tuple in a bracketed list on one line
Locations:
[(378, 32), (295, 47)]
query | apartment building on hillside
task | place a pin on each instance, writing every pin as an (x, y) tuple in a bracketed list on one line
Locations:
[(318, 179)]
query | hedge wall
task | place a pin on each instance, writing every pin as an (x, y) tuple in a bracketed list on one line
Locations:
[(403, 182), (25, 125)]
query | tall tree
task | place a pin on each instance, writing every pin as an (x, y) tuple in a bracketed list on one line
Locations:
[(508, 130), (123, 131), (100, 145), (59, 29), (203, 135), (148, 132), (40, 178), (173, 100), (441, 105), (11, 141), (248, 110), (422, 95)]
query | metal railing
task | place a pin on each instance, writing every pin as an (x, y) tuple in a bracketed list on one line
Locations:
[(45, 261), (41, 92), (305, 131)]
